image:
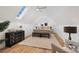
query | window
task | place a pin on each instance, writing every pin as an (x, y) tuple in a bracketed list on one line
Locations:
[(21, 12)]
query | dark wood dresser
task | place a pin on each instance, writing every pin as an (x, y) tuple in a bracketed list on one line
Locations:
[(14, 37)]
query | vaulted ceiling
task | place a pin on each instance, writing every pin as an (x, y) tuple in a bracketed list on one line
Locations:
[(60, 15)]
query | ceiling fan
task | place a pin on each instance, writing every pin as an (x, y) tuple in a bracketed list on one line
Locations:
[(41, 8)]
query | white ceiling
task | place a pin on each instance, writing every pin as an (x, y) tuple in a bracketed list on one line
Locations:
[(8, 12), (60, 15)]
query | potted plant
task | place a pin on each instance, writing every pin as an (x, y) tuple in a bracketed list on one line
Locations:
[(4, 25)]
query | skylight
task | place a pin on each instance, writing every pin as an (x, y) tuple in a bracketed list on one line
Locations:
[(21, 12)]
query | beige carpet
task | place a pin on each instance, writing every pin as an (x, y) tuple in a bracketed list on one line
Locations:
[(37, 42)]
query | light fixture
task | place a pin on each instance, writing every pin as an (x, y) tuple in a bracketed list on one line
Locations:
[(70, 30), (40, 8)]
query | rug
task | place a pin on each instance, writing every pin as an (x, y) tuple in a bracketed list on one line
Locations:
[(39, 42)]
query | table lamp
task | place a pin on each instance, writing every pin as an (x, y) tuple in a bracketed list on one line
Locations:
[(70, 29)]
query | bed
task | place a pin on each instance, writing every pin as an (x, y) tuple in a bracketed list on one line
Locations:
[(42, 32)]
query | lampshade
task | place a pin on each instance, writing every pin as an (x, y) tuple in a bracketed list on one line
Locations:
[(69, 29)]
